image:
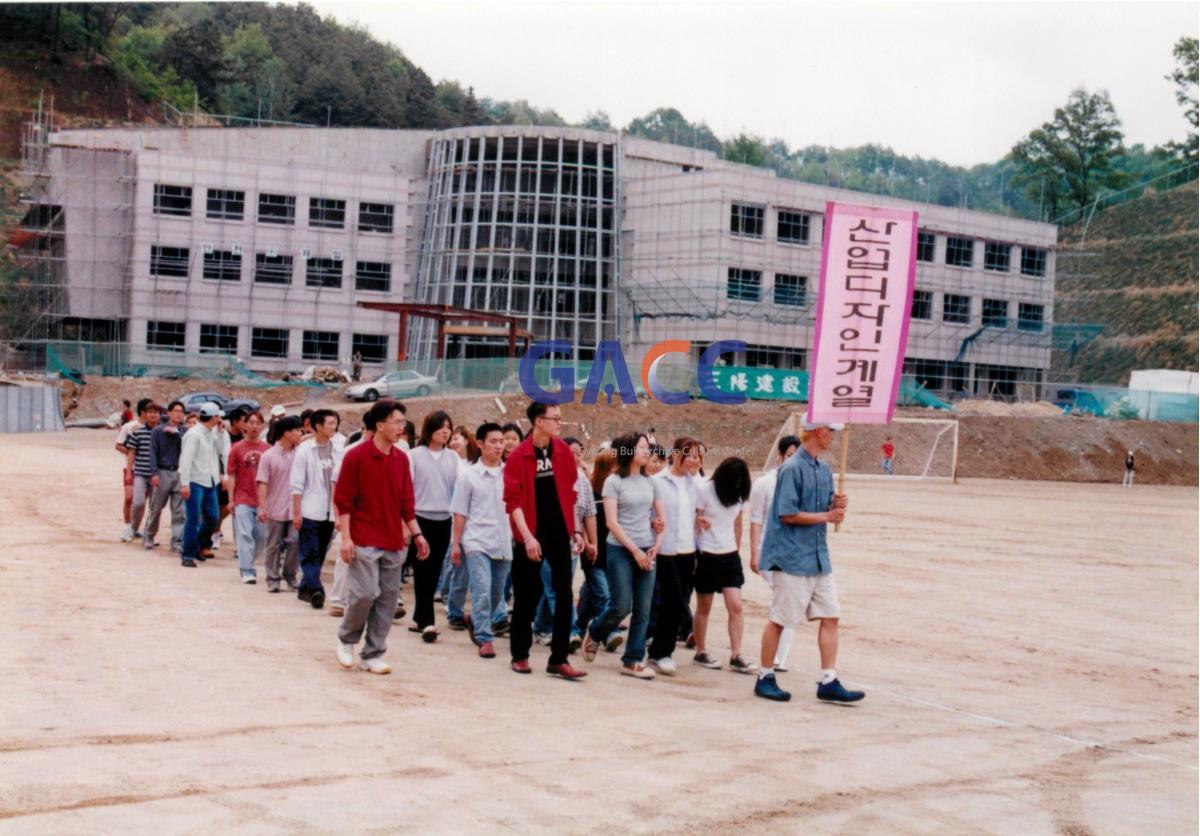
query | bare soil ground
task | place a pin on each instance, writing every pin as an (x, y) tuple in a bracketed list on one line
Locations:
[(1029, 650)]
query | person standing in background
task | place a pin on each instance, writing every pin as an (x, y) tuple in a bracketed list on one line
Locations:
[(164, 464), (249, 532), (888, 448), (312, 502)]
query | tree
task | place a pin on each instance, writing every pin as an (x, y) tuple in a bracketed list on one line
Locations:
[(1068, 160), (597, 120), (666, 124), (749, 150), (1186, 77)]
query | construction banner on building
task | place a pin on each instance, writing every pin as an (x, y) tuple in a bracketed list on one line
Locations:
[(868, 266)]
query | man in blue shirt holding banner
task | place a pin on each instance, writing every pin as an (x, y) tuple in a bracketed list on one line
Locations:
[(795, 548)]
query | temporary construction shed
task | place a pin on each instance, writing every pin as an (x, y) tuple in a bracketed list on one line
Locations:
[(30, 408)]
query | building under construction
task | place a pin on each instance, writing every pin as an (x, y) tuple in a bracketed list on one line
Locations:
[(183, 247)]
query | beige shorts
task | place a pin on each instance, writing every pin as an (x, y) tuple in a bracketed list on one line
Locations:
[(799, 598)]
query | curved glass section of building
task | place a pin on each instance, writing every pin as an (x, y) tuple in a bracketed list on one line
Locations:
[(520, 221)]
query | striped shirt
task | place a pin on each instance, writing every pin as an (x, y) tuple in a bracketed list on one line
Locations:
[(140, 442)]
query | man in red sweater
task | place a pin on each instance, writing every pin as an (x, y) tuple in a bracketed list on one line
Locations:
[(374, 500), (539, 496)]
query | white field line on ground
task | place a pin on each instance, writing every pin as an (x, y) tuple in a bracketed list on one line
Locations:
[(1087, 744)]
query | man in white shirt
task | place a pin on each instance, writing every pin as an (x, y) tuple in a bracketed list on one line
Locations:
[(761, 495), (481, 537), (313, 477), (200, 477)]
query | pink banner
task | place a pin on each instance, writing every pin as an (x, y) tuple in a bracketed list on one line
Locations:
[(868, 266)]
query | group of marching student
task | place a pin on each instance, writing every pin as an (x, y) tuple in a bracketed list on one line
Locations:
[(505, 518)]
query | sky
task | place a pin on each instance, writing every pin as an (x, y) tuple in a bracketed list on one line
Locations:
[(959, 82)]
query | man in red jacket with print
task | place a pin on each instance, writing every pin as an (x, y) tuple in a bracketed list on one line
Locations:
[(539, 496)]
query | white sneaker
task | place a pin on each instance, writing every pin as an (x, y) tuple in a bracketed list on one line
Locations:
[(249, 579), (375, 666), (127, 534), (345, 655), (664, 666), (216, 540)]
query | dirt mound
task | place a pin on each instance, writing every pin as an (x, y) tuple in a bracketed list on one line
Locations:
[(1036, 409)]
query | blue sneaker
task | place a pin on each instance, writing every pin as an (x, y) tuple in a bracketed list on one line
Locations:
[(835, 692), (767, 688)]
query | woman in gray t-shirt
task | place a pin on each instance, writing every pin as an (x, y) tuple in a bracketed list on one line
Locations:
[(629, 495)]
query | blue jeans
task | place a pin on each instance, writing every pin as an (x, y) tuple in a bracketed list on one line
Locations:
[(487, 592), (251, 536), (543, 621), (314, 544), (887, 466), (201, 514), (454, 587), (593, 595), (632, 590)]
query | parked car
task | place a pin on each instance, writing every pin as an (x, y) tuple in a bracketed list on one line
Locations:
[(1077, 400), (193, 401), (393, 385)]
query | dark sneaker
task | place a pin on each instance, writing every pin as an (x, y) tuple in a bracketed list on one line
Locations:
[(205, 554), (565, 671), (575, 643), (189, 563), (304, 595), (487, 650), (318, 599), (456, 623), (769, 689), (690, 641), (738, 664), (522, 666), (501, 627), (613, 643), (705, 660), (429, 635), (835, 692), (400, 611)]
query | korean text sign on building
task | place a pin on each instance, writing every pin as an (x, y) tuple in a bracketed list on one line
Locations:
[(868, 267)]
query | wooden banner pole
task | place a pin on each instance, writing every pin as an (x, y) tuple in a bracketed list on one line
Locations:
[(841, 483)]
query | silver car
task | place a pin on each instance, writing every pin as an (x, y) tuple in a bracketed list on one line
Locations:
[(392, 385)]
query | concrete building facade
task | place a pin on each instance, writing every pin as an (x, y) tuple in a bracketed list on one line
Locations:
[(259, 243)]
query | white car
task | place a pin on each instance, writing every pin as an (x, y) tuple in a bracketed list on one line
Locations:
[(391, 385)]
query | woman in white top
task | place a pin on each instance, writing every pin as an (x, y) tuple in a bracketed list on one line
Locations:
[(434, 471), (719, 567)]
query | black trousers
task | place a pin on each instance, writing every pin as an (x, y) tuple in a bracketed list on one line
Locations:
[(427, 572), (671, 603), (687, 575), (527, 592)]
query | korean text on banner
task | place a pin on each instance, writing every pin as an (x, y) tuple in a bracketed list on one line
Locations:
[(868, 267)]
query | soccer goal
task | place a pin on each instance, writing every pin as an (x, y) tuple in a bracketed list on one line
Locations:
[(925, 448)]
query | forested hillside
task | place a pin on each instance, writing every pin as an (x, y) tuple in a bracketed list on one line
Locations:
[(1135, 274)]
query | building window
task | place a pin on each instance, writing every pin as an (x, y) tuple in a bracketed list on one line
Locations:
[(268, 342), (996, 256), (169, 261), (744, 285), (956, 308), (326, 213), (922, 307), (272, 269), (226, 205), (372, 347), (1033, 262), (218, 339), (165, 336), (223, 266), (790, 290), (375, 217), (995, 312), (926, 244), (960, 252), (1030, 317), (373, 275), (172, 200), (277, 209), (792, 227), (320, 345), (323, 272), (774, 357), (746, 221)]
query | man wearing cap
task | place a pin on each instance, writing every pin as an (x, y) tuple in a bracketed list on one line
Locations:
[(794, 548), (200, 476)]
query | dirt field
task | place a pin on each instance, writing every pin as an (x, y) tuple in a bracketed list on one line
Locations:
[(1029, 652)]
